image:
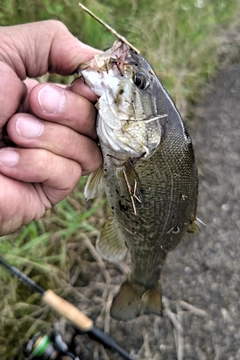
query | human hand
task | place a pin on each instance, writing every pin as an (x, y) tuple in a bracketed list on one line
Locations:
[(52, 126)]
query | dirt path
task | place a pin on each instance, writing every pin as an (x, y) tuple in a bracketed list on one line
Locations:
[(206, 270), (213, 260)]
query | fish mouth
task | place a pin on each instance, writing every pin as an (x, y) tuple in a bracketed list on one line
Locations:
[(128, 122), (114, 58)]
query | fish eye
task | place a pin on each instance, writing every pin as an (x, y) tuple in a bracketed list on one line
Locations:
[(140, 80)]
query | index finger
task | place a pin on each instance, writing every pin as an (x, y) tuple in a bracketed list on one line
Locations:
[(53, 103)]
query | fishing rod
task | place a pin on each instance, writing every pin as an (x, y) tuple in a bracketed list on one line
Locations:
[(69, 311)]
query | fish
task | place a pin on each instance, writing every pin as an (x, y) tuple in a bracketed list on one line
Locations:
[(149, 174)]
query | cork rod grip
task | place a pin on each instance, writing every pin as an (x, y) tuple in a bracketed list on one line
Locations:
[(68, 310)]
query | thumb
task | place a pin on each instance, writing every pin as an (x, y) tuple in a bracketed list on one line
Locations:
[(36, 48), (32, 50)]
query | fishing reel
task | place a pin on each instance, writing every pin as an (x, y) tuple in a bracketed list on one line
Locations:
[(48, 347)]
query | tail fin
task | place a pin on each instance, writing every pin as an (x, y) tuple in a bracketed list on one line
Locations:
[(133, 299)]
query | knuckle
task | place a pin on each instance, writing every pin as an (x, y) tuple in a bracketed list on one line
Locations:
[(70, 139), (76, 173), (57, 25), (62, 173)]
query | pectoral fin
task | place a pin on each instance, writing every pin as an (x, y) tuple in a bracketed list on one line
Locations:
[(94, 185), (110, 244)]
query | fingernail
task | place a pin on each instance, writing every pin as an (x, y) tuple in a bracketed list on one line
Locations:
[(51, 99), (29, 128), (9, 158)]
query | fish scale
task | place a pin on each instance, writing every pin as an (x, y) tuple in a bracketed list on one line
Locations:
[(149, 174)]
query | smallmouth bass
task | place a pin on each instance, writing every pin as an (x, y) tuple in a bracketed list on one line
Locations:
[(149, 174)]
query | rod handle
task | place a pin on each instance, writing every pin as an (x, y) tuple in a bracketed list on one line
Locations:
[(68, 310)]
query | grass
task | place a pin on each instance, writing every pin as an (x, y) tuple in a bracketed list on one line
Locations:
[(178, 37), (46, 251)]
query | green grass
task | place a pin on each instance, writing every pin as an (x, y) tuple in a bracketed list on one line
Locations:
[(47, 252), (178, 38)]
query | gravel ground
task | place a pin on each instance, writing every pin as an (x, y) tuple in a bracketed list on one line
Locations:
[(212, 261)]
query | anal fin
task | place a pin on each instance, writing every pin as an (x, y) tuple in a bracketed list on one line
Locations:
[(110, 244)]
